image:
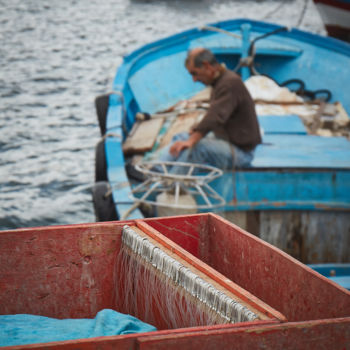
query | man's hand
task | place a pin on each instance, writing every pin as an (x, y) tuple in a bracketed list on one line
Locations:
[(179, 146)]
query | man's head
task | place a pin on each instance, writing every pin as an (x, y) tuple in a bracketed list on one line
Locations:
[(202, 65)]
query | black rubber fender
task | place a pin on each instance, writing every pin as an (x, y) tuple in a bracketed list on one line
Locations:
[(103, 202), (100, 162), (101, 105)]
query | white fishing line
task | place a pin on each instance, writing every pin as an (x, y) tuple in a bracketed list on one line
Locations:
[(154, 285)]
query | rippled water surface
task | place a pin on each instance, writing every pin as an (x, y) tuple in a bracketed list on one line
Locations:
[(56, 56)]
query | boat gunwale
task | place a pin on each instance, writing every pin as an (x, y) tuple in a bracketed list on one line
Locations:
[(234, 24), (125, 69)]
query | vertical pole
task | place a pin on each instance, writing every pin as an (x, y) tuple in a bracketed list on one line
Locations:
[(245, 29)]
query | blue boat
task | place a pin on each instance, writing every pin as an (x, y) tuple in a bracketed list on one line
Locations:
[(336, 17), (338, 273), (295, 195)]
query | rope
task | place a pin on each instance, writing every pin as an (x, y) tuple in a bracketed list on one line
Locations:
[(302, 15), (110, 134), (311, 95), (129, 211), (275, 10), (263, 36), (278, 7), (249, 61), (219, 30)]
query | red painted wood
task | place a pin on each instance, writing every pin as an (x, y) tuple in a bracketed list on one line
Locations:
[(61, 272), (308, 335), (273, 276), (218, 277), (66, 271), (122, 342), (188, 231), (69, 271)]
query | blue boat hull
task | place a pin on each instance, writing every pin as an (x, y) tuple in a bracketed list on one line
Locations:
[(338, 273), (297, 192)]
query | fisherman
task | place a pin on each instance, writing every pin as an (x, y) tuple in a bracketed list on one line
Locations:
[(229, 132)]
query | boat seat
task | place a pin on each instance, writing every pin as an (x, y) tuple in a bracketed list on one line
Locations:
[(302, 151), (282, 124)]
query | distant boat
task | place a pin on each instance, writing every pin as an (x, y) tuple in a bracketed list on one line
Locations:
[(296, 194), (336, 17)]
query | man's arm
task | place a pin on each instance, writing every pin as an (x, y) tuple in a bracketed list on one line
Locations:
[(222, 106), (179, 146)]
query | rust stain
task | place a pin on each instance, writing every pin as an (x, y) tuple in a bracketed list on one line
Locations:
[(90, 244), (112, 249), (279, 204), (235, 202), (322, 206)]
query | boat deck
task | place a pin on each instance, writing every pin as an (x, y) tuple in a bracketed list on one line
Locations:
[(292, 169), (302, 151), (274, 124)]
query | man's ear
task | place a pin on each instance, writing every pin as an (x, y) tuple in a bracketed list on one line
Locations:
[(210, 69), (207, 65)]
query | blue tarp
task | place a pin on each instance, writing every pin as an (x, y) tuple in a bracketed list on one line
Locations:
[(30, 329)]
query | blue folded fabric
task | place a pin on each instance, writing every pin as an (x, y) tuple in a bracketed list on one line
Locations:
[(31, 329)]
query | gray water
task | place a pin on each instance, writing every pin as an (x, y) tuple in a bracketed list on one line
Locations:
[(55, 57)]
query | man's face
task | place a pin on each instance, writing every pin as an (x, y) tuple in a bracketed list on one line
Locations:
[(203, 74)]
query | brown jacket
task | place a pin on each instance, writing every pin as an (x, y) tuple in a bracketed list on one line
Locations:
[(231, 115)]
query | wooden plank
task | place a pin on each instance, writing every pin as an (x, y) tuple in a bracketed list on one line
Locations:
[(202, 96), (182, 123), (69, 271), (282, 124), (308, 335), (309, 236), (142, 136), (298, 292), (203, 270), (266, 272), (302, 151), (42, 280)]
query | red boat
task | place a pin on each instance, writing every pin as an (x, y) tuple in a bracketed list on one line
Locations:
[(336, 17), (70, 272)]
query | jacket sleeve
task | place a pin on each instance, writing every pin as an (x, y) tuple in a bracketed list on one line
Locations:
[(222, 106)]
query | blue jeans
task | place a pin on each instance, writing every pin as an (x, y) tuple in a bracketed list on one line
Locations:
[(209, 151)]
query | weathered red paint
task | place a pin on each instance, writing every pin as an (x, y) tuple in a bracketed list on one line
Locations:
[(329, 334), (273, 276), (308, 335), (58, 271), (68, 271), (219, 278)]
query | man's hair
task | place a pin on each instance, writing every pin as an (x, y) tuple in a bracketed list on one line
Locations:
[(202, 56)]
